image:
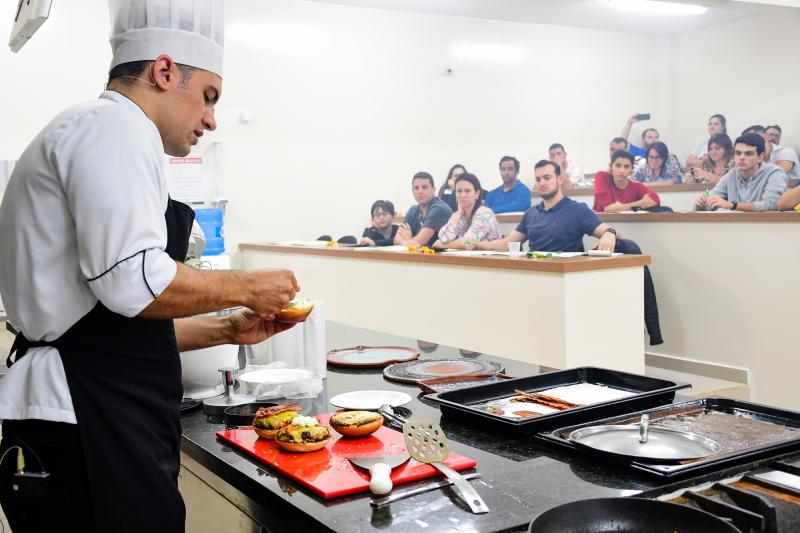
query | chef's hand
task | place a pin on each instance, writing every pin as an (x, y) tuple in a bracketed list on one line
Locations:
[(607, 242), (271, 291), (247, 327)]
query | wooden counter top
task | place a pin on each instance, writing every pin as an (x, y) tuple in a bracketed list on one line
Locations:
[(698, 216), (553, 264)]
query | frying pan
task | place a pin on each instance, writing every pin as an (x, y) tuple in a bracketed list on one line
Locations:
[(627, 515)]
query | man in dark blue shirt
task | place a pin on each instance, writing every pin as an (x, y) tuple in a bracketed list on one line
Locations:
[(512, 195), (423, 221), (558, 223)]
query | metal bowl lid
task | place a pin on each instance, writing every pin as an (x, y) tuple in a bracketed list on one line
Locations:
[(662, 444)]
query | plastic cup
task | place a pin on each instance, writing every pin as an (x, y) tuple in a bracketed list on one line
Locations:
[(513, 249)]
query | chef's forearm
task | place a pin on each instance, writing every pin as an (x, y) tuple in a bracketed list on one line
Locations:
[(193, 292), (202, 332)]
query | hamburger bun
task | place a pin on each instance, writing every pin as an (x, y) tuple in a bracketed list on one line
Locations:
[(297, 310), (265, 433), (356, 423), (306, 436), (302, 447)]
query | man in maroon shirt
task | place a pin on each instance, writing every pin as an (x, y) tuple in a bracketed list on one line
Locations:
[(615, 191)]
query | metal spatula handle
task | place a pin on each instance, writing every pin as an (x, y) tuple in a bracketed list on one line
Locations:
[(399, 495), (464, 489)]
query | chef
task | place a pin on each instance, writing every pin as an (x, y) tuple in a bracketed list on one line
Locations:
[(91, 273)]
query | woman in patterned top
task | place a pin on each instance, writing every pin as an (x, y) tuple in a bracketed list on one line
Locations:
[(472, 221), (718, 162), (661, 167)]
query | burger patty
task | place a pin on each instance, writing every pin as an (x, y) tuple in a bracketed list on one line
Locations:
[(354, 418), (300, 434)]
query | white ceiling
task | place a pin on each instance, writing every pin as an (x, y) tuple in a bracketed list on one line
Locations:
[(581, 13)]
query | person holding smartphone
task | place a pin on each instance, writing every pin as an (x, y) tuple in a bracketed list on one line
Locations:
[(649, 136)]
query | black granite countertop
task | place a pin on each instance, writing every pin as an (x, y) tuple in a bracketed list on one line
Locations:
[(520, 477)]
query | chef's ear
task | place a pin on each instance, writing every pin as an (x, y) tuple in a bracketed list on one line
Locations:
[(164, 72)]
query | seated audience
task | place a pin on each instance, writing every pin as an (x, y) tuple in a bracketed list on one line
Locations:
[(617, 192), (649, 136), (661, 169), (472, 221), (382, 232), (716, 124), (774, 134), (717, 163), (512, 195), (557, 154), (790, 199), (783, 156), (752, 186), (559, 223), (424, 220), (617, 143), (447, 191)]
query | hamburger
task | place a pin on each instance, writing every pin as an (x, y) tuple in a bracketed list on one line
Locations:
[(297, 310), (356, 423), (269, 420), (304, 434)]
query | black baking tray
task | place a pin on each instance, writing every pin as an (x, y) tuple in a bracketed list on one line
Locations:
[(725, 459), (648, 391)]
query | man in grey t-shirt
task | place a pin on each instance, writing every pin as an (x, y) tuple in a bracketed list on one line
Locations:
[(423, 221), (752, 186)]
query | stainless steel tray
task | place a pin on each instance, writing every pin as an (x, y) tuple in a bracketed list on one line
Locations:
[(647, 392), (745, 431)]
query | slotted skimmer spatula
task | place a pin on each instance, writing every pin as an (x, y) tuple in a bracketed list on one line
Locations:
[(426, 442)]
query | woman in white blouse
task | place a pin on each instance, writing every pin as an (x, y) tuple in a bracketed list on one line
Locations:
[(472, 221)]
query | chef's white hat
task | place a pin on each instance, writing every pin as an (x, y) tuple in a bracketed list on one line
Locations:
[(189, 31)]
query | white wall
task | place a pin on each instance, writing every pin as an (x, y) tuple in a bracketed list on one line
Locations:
[(746, 70), (348, 103)]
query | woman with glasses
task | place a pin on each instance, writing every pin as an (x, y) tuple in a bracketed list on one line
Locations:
[(661, 168), (718, 162), (472, 221), (382, 231)]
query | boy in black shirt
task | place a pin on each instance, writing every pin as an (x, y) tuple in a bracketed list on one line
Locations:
[(382, 231)]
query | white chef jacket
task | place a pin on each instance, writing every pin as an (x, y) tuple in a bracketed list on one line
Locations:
[(82, 221)]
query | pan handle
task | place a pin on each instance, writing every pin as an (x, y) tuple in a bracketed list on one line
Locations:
[(644, 428), (387, 411), (464, 489)]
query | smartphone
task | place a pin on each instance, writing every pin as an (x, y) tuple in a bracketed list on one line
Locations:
[(643, 116)]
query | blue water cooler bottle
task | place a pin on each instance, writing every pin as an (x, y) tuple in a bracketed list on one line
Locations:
[(210, 219)]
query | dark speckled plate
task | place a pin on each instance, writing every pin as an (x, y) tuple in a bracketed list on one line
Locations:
[(414, 371)]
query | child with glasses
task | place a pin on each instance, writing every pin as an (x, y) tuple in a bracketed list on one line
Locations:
[(382, 231)]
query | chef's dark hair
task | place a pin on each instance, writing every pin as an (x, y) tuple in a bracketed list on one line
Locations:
[(386, 205), (133, 69), (509, 158), (476, 184)]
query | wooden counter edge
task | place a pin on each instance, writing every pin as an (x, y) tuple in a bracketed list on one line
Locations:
[(555, 264)]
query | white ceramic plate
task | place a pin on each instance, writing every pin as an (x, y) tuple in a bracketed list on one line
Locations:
[(369, 399)]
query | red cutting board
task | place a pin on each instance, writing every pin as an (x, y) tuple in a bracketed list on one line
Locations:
[(327, 471)]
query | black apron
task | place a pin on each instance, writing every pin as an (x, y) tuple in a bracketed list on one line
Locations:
[(124, 376)]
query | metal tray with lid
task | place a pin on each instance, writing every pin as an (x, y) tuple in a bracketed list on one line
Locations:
[(464, 404), (744, 431), (643, 443)]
